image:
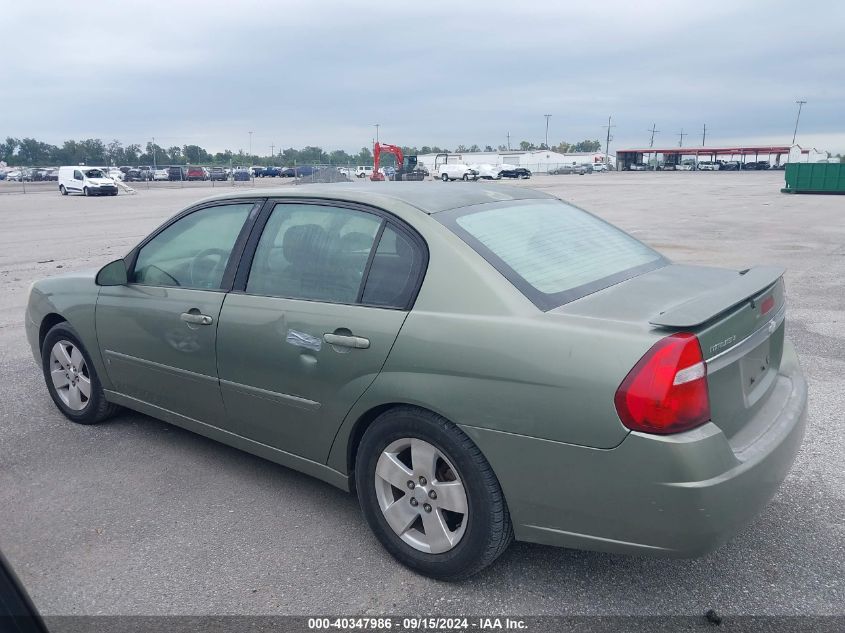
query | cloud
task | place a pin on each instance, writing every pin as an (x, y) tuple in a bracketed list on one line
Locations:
[(440, 73)]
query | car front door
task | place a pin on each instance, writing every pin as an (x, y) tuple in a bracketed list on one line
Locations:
[(312, 320), (157, 333)]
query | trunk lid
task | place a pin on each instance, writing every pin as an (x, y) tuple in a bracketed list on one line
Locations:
[(738, 318)]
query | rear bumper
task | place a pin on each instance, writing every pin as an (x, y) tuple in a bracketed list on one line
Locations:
[(676, 495)]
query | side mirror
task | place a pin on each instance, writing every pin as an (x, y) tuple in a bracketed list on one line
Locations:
[(112, 274)]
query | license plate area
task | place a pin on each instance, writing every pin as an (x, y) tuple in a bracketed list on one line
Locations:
[(756, 370)]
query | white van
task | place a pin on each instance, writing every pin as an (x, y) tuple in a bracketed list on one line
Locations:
[(364, 172), (89, 181), (456, 171)]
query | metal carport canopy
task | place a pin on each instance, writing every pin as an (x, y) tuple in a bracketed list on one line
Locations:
[(709, 151)]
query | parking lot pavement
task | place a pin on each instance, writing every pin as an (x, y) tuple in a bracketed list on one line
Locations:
[(135, 516)]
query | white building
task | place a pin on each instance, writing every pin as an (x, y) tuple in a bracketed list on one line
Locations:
[(538, 160)]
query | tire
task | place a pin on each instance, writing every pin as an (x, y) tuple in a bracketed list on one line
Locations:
[(444, 177), (465, 177), (94, 408), (85, 192), (481, 533), (62, 190)]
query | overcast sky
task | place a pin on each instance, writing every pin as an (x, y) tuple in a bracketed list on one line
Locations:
[(430, 73)]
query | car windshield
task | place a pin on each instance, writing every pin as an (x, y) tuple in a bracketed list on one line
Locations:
[(551, 251), (94, 173)]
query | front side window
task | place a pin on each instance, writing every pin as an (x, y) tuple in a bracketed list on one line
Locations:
[(314, 252), (77, 175), (194, 251), (551, 251)]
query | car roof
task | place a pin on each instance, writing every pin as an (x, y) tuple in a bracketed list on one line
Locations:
[(426, 196)]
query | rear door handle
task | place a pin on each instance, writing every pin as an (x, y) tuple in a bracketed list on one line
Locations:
[(196, 318), (340, 340)]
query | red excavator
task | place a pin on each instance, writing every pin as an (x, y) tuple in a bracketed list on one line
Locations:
[(406, 166)]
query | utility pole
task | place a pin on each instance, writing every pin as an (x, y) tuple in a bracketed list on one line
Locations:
[(704, 135), (653, 130), (272, 155), (154, 154), (800, 103), (548, 116), (250, 145), (509, 141), (681, 137), (607, 142), (377, 127)]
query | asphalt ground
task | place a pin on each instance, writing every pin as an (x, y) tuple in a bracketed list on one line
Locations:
[(138, 517)]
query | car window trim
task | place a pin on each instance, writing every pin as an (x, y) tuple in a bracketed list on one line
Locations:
[(237, 248), (396, 223)]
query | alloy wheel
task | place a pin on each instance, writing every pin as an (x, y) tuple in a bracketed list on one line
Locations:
[(70, 375), (421, 495)]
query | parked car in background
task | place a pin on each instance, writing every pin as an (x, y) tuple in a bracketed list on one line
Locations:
[(176, 172), (706, 165), (217, 173), (257, 170), (599, 167), (510, 171), (134, 175), (89, 181), (455, 171), (364, 171), (242, 175), (51, 175), (270, 172), (729, 165), (15, 175), (637, 167), (196, 173), (2, 175), (757, 165), (486, 171), (161, 174)]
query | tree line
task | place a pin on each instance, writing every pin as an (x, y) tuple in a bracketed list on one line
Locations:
[(30, 152)]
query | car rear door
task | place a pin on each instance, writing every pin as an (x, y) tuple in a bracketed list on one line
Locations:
[(157, 333), (312, 319)]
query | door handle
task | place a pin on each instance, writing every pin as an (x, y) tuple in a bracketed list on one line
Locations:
[(196, 318), (340, 340)]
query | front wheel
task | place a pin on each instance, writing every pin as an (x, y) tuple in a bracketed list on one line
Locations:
[(85, 191), (465, 177), (430, 496), (71, 378)]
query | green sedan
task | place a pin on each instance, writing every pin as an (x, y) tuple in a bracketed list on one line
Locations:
[(479, 364)]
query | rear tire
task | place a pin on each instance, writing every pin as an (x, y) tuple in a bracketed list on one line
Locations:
[(465, 177), (468, 537), (444, 177), (69, 373), (62, 190)]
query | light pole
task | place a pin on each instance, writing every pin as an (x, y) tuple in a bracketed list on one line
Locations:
[(250, 146), (154, 154), (548, 116), (800, 103), (376, 125)]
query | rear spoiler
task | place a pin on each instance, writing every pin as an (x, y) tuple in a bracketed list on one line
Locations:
[(710, 304)]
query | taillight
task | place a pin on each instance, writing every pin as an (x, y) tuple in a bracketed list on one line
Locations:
[(666, 391)]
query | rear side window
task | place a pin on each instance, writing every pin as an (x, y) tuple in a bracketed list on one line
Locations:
[(394, 271), (551, 251)]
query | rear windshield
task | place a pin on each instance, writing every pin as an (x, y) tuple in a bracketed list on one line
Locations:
[(551, 251)]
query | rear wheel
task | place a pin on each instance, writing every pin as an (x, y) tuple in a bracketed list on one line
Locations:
[(71, 379), (62, 190), (429, 495), (465, 177), (444, 177)]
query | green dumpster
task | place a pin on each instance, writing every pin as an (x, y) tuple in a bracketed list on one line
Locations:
[(814, 178)]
